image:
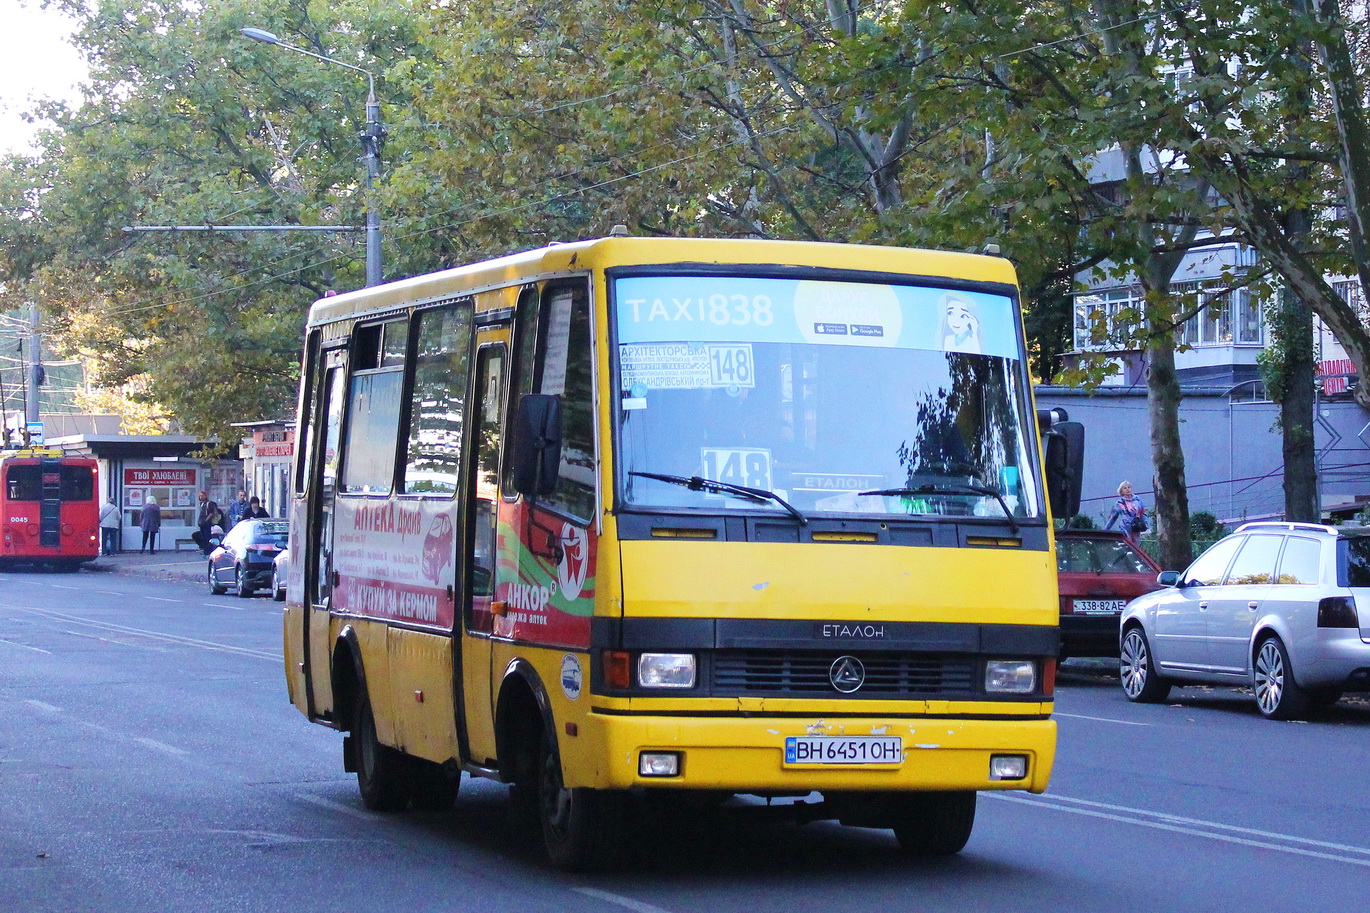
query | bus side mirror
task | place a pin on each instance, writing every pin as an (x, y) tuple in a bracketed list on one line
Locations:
[(537, 445), (1065, 459)]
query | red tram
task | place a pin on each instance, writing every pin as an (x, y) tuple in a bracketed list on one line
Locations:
[(49, 509)]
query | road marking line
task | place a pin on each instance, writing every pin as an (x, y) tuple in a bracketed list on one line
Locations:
[(25, 646), (42, 706), (333, 806), (161, 746), (161, 599), (155, 635), (630, 903), (1099, 719), (1195, 827), (59, 586)]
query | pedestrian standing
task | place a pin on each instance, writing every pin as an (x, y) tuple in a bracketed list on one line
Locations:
[(255, 511), (201, 534), (236, 510), (150, 522), (109, 528), (1130, 510)]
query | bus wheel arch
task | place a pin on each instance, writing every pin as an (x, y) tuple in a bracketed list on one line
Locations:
[(523, 713), (348, 678)]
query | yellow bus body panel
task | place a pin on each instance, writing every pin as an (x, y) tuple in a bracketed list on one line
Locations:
[(748, 754), (838, 582)]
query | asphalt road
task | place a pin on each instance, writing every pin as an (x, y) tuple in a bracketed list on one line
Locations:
[(150, 761)]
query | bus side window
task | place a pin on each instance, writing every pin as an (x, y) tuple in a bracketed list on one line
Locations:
[(564, 366), (373, 409), (437, 408), (304, 436)]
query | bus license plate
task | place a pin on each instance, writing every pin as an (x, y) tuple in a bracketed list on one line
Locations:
[(1099, 606), (831, 749)]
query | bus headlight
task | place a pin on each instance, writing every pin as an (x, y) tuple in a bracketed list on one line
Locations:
[(1010, 676), (666, 670)]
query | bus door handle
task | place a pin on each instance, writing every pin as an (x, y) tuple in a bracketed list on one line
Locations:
[(1203, 607), (1251, 606)]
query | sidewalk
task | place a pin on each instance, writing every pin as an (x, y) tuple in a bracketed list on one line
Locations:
[(187, 566)]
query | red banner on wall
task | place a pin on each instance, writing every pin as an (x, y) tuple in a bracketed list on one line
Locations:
[(159, 476)]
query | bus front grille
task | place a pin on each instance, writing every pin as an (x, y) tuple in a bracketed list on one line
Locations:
[(777, 673)]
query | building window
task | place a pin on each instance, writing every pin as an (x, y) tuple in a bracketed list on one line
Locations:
[(1218, 315), (1107, 320)]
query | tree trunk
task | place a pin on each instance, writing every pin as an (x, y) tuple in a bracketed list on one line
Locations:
[(1296, 412), (1167, 457)]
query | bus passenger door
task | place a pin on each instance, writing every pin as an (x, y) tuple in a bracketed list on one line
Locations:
[(319, 545), (483, 502)]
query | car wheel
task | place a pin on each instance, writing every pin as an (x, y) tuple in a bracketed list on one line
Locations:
[(579, 826), (936, 824), (243, 589), (277, 587), (1278, 696), (382, 771), (1137, 670), (215, 588)]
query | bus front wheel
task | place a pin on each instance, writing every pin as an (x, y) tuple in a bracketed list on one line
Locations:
[(936, 824), (579, 826)]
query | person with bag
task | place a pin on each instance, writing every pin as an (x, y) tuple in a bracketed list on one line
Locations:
[(1131, 511), (110, 521)]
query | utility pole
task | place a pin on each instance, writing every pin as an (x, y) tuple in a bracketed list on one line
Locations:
[(35, 367)]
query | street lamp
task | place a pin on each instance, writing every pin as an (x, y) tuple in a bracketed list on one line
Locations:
[(371, 147)]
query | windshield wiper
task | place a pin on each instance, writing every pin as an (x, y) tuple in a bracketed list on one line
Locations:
[(698, 483), (951, 488)]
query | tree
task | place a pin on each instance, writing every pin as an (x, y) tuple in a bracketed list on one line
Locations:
[(186, 122)]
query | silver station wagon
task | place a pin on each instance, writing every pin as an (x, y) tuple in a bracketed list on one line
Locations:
[(1283, 607)]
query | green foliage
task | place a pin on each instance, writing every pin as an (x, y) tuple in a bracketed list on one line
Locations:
[(516, 122), (1204, 525), (1082, 521), (186, 122)]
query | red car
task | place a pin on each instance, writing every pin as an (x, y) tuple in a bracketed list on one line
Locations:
[(1099, 572)]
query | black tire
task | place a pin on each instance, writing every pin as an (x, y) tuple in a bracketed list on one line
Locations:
[(936, 824), (215, 588), (382, 772), (1137, 671), (579, 826), (277, 588), (240, 576), (1278, 696), (432, 788)]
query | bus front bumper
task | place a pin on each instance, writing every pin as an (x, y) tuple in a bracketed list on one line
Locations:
[(749, 755)]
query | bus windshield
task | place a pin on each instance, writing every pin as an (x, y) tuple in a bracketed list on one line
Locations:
[(830, 397)]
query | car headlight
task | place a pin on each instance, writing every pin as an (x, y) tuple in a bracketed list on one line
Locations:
[(1010, 676), (666, 670)]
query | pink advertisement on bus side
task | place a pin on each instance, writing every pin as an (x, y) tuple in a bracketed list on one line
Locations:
[(395, 560)]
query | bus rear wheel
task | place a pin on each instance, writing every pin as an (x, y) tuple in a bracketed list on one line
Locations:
[(382, 772), (936, 824), (579, 826)]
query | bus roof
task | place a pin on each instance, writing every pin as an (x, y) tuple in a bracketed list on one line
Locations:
[(581, 256)]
